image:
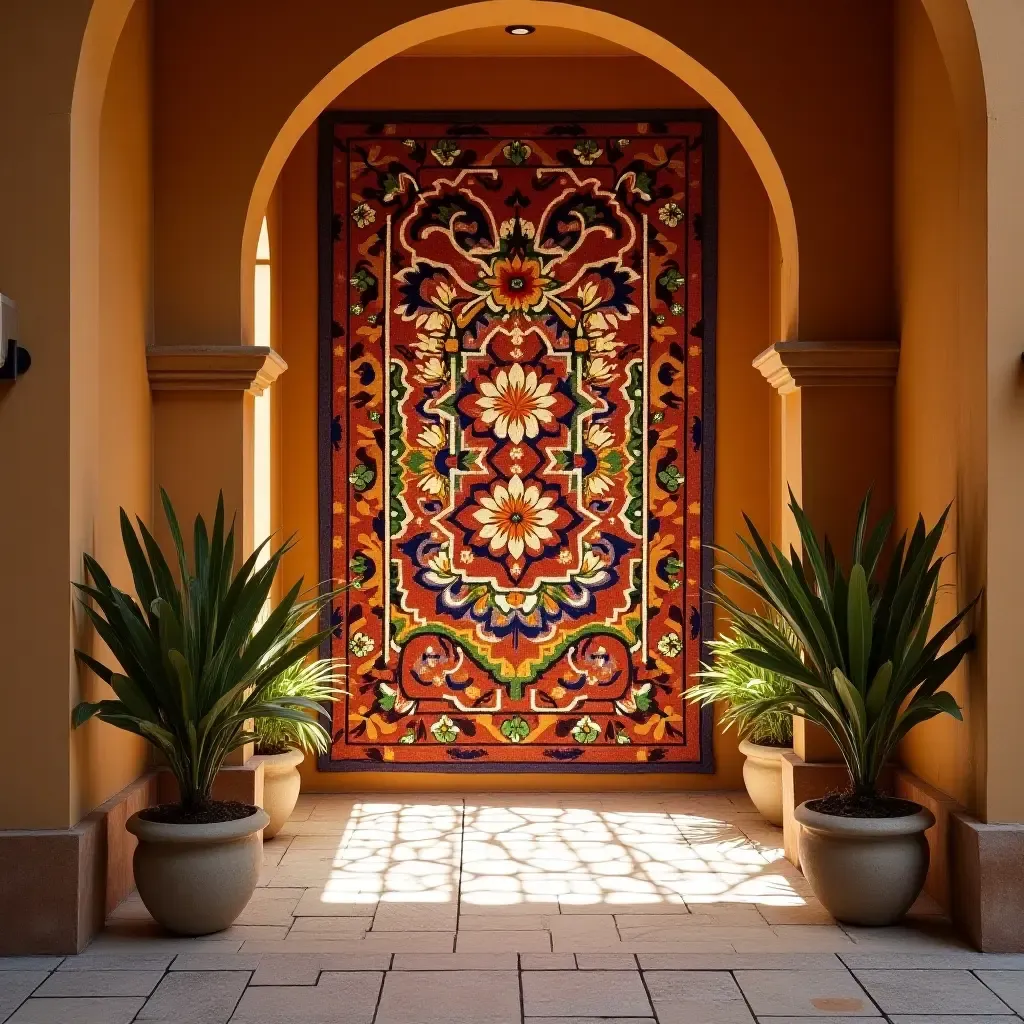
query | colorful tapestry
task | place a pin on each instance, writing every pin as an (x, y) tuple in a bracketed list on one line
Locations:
[(515, 475)]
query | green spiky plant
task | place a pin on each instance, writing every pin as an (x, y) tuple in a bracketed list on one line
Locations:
[(741, 686), (311, 680), (867, 667), (196, 657)]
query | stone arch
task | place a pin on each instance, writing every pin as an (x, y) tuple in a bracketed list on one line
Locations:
[(489, 13)]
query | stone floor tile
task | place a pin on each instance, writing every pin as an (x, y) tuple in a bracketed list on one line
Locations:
[(804, 993), (425, 997), (844, 1020), (415, 917), (30, 963), (305, 968), (271, 907), (455, 962), (659, 906), (16, 987), (801, 914), (503, 942), (606, 961), (584, 993), (547, 962), (966, 960), (584, 934), (199, 997), (512, 923), (321, 902), (99, 983), (331, 927), (686, 997), (126, 961), (413, 942), (926, 935), (739, 961), (216, 962), (589, 1020), (351, 998), (1008, 985), (76, 1011), (923, 992), (956, 1018)]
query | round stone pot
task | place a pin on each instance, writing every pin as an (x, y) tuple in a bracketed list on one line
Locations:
[(281, 784), (196, 879), (762, 775), (865, 871)]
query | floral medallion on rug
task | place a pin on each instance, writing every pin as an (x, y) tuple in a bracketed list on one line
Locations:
[(515, 482)]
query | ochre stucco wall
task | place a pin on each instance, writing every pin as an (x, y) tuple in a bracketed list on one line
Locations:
[(107, 759), (937, 389), (815, 77), (742, 465)]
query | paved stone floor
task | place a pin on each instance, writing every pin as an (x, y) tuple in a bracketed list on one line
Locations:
[(625, 909)]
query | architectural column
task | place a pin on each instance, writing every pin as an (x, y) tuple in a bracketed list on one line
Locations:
[(833, 441)]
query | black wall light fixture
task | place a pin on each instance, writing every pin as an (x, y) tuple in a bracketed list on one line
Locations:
[(14, 360)]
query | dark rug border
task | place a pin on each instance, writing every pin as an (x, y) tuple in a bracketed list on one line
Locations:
[(709, 266)]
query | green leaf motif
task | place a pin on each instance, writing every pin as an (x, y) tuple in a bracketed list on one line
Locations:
[(672, 280), (445, 730), (586, 730), (363, 280), (515, 730), (362, 476), (409, 736), (670, 478)]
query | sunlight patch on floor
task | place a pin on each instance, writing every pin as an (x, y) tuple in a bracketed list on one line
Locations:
[(544, 856)]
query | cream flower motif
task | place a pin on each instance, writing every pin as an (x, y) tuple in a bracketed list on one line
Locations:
[(599, 437), (516, 403), (433, 436), (670, 214), (432, 371), (565, 556), (364, 215), (361, 645), (515, 517), (507, 227), (600, 371), (670, 645)]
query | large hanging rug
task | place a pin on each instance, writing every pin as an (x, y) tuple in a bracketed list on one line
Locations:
[(515, 424)]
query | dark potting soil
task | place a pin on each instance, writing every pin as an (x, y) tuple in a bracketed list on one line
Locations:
[(849, 805), (206, 814), (273, 748)]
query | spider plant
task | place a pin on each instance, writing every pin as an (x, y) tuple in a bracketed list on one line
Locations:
[(735, 681), (312, 680), (867, 666), (196, 658)]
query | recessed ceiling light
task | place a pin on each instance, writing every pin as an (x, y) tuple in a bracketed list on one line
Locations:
[(520, 30)]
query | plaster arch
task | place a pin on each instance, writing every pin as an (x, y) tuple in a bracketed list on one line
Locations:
[(490, 13)]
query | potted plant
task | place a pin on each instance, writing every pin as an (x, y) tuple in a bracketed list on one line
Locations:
[(765, 736), (196, 660), (283, 742), (867, 668)]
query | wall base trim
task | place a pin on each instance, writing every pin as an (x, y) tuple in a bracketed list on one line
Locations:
[(57, 886), (987, 870)]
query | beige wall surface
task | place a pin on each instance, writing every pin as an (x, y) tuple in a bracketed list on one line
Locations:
[(602, 82)]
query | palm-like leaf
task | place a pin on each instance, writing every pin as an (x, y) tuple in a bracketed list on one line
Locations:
[(866, 665), (306, 685), (196, 660), (744, 688)]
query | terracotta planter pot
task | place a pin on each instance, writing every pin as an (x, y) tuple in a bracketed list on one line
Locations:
[(762, 775), (865, 871), (281, 784), (196, 879)]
